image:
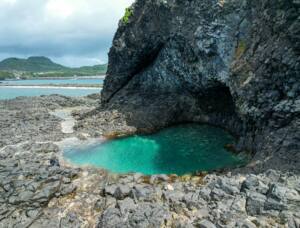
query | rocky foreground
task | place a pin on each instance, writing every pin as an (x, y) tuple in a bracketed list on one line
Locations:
[(39, 189)]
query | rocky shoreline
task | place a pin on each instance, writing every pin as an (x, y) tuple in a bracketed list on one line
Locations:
[(39, 189)]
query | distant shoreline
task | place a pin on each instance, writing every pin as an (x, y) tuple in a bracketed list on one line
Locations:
[(58, 78)]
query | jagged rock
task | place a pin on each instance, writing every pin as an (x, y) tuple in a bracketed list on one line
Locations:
[(143, 215), (126, 205), (239, 204), (54, 162), (141, 191), (234, 64), (275, 205), (121, 192), (277, 192), (34, 193), (71, 220), (254, 184), (228, 187), (110, 190), (255, 203)]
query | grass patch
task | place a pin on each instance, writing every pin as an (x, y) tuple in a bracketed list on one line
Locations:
[(128, 14)]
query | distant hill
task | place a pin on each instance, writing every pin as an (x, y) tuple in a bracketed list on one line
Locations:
[(32, 64), (40, 66)]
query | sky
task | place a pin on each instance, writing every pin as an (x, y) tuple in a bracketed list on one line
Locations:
[(70, 32)]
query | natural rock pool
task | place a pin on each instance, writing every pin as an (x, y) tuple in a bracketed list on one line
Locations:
[(177, 150)]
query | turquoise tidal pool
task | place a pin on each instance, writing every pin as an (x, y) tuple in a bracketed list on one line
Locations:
[(176, 150)]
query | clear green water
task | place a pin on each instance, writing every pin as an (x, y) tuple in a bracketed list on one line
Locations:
[(177, 150)]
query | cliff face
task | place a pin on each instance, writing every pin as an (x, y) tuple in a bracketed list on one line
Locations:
[(231, 63)]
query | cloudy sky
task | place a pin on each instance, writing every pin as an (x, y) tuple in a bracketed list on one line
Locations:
[(71, 32)]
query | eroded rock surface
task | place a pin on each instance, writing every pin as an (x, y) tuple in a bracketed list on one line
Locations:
[(234, 64), (40, 189)]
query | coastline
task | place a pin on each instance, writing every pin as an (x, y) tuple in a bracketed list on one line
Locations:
[(58, 78), (51, 87), (50, 191)]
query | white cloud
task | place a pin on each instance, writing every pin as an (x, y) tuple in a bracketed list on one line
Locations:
[(60, 29), (59, 9), (7, 1)]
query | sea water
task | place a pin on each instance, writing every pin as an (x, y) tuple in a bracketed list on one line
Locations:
[(13, 92), (10, 93), (175, 150), (73, 81)]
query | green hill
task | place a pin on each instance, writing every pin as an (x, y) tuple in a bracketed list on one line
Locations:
[(39, 66), (32, 64)]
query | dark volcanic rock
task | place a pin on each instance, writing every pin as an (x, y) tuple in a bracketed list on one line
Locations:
[(39, 189), (234, 64)]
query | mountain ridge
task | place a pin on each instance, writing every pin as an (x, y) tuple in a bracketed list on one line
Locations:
[(44, 66)]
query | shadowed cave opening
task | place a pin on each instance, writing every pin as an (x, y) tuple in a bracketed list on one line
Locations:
[(182, 147)]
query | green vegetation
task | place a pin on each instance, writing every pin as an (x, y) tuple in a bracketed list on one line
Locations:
[(241, 48), (6, 75), (128, 14), (44, 67), (32, 64)]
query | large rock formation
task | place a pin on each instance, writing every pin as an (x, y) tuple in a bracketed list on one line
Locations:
[(231, 63)]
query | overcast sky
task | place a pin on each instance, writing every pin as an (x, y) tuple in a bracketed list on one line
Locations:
[(71, 32)]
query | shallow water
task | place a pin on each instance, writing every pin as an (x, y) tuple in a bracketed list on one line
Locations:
[(10, 93), (79, 81), (179, 150)]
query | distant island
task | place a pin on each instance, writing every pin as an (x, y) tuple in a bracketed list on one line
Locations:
[(40, 66)]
